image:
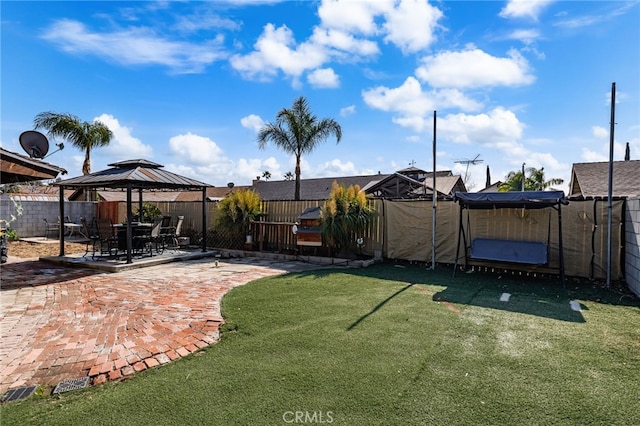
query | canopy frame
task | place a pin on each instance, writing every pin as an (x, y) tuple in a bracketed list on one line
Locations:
[(500, 200), (133, 175)]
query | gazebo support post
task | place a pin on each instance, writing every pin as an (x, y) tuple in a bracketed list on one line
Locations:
[(61, 220), (129, 227), (204, 219)]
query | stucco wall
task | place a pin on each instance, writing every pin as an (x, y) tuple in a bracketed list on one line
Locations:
[(29, 215), (632, 245)]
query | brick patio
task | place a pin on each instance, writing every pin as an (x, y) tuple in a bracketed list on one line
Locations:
[(61, 323)]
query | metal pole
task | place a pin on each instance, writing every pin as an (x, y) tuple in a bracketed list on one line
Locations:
[(61, 220), (523, 176), (434, 199), (610, 191)]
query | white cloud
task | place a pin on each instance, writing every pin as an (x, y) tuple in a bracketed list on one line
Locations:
[(524, 8), (344, 42), (590, 156), (253, 122), (600, 132), (527, 36), (411, 25), (324, 77), (275, 51), (134, 46), (337, 168), (499, 126), (194, 149), (353, 16), (341, 34), (250, 169), (414, 105), (473, 67), (123, 146), (346, 111)]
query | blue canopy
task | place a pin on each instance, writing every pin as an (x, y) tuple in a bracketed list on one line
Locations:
[(503, 200)]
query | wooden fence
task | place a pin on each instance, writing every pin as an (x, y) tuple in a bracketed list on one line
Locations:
[(402, 230)]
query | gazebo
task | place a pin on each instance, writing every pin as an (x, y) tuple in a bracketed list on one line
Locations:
[(135, 175)]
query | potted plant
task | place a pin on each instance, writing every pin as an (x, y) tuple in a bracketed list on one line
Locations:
[(346, 216), (236, 212)]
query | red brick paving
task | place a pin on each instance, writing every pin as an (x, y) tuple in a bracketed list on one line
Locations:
[(59, 323)]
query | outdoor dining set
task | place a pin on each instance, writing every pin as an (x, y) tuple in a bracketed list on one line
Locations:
[(106, 239)]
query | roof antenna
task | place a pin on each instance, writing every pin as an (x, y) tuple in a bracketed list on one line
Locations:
[(475, 161)]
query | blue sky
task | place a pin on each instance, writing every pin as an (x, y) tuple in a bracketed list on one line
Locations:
[(187, 84)]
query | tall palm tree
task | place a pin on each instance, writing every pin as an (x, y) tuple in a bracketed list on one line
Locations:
[(297, 131), (83, 135), (534, 182)]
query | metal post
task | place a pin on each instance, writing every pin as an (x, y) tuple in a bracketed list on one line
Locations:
[(61, 220), (129, 227), (523, 176), (204, 219), (434, 199), (610, 191)]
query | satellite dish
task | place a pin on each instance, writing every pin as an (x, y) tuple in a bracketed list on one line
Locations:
[(34, 143)]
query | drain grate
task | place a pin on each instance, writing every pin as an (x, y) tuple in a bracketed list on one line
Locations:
[(71, 384), (18, 393)]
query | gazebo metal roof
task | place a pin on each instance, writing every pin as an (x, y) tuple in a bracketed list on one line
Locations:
[(137, 174), (141, 175)]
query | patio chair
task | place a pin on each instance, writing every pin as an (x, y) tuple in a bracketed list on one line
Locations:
[(51, 227), (92, 237), (172, 233), (106, 240), (145, 241)]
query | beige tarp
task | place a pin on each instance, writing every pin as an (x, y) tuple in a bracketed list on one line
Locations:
[(408, 225)]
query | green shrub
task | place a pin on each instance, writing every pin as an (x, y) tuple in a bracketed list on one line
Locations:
[(236, 212), (12, 235), (346, 216), (149, 212)]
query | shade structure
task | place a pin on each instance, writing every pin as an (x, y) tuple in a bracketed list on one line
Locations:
[(502, 200), (16, 168), (135, 175), (509, 200)]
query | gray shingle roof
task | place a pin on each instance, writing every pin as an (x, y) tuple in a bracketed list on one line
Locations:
[(592, 179), (310, 189)]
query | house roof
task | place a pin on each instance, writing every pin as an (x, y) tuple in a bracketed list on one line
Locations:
[(310, 189), (494, 187), (591, 180), (399, 185), (15, 168)]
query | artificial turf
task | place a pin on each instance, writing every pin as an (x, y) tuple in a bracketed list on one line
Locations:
[(387, 345)]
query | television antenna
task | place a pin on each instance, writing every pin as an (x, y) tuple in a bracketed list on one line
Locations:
[(476, 160)]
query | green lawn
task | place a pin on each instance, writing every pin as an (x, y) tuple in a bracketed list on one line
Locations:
[(386, 345)]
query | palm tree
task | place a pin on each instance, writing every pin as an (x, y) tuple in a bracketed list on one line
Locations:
[(288, 176), (266, 175), (534, 182), (297, 131), (83, 135)]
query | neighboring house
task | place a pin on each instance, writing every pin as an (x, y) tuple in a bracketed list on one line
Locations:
[(591, 180), (407, 183), (494, 187)]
